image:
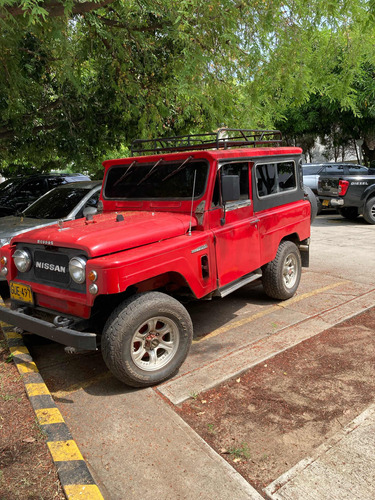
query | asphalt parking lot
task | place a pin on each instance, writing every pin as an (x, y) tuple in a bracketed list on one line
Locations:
[(133, 441)]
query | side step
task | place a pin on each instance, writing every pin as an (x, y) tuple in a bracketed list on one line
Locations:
[(234, 285)]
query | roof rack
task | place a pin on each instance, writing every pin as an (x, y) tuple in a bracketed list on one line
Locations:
[(224, 138)]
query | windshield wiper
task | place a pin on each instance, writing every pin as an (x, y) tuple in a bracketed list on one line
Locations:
[(178, 168), (125, 174), (150, 172)]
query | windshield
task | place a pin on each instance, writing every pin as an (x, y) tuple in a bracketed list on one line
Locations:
[(57, 204), (163, 181)]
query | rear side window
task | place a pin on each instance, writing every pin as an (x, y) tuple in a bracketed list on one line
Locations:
[(274, 178), (357, 170)]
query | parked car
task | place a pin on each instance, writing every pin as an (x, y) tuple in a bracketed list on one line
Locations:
[(18, 193), (312, 171), (197, 216), (352, 195), (66, 202)]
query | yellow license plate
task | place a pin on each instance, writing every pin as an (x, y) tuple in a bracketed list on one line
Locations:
[(325, 203), (20, 292)]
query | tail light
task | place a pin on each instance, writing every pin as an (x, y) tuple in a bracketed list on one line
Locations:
[(343, 187)]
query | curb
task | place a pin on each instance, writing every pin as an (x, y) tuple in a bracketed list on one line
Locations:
[(74, 475)]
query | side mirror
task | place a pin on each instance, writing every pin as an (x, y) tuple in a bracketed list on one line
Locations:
[(89, 211), (230, 188)]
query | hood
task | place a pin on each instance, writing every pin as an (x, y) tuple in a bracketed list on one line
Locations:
[(111, 232), (13, 225)]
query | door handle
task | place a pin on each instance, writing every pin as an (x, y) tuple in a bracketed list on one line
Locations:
[(255, 221)]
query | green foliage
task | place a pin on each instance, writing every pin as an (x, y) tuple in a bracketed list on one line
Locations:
[(240, 451), (80, 80), (336, 126)]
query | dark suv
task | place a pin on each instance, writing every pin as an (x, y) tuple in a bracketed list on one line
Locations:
[(18, 193)]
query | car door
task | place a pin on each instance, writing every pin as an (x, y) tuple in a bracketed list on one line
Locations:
[(236, 238)]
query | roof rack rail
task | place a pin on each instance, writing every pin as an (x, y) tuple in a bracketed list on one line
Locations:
[(224, 138)]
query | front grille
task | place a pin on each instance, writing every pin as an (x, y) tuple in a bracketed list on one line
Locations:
[(51, 266)]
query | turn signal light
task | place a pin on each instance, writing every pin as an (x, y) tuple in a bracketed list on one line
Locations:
[(343, 187), (93, 276)]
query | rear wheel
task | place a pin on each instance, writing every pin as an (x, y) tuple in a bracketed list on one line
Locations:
[(146, 339), (281, 277), (350, 213), (313, 202), (369, 211)]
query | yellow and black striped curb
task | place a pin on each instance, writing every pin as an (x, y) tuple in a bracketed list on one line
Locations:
[(73, 472)]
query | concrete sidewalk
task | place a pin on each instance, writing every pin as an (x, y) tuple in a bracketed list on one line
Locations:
[(138, 447), (341, 469), (146, 451), (162, 458)]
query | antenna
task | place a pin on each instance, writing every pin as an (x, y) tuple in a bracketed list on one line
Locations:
[(192, 201)]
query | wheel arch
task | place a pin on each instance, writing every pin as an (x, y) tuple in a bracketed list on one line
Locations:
[(367, 194), (303, 246), (170, 283)]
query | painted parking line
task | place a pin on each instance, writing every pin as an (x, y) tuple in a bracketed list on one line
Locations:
[(269, 310), (72, 469), (82, 385), (103, 376)]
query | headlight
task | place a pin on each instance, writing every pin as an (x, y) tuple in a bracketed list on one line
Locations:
[(77, 269), (22, 260)]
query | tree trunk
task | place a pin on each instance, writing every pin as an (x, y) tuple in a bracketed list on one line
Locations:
[(369, 146)]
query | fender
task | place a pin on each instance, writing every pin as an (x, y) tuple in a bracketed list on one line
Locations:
[(369, 192)]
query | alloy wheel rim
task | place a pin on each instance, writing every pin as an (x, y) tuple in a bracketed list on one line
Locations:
[(155, 343), (290, 271)]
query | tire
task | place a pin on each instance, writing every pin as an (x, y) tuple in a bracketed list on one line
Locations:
[(281, 276), (146, 339), (313, 203), (319, 206), (350, 213), (369, 211)]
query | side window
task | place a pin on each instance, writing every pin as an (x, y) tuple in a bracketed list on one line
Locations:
[(93, 200), (286, 176), (333, 170), (357, 170), (266, 179), (242, 170), (216, 193), (275, 178)]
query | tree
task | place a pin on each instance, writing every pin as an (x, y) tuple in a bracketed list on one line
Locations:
[(80, 79), (337, 127)]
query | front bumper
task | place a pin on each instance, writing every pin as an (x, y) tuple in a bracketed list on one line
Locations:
[(62, 335)]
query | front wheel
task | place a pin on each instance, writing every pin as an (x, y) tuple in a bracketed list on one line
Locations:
[(146, 339), (281, 276), (369, 211)]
